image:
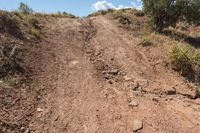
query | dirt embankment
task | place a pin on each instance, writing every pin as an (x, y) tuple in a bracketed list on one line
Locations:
[(93, 77)]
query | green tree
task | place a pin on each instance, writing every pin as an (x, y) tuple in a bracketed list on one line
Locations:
[(166, 13), (25, 9)]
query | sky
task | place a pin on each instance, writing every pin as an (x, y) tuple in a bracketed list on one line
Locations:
[(76, 7)]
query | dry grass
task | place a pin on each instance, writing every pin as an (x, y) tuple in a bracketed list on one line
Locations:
[(145, 41), (10, 23)]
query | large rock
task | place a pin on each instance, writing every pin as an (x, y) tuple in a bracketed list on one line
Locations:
[(133, 103), (114, 71), (137, 125)]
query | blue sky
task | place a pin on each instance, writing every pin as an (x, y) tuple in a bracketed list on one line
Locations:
[(77, 7)]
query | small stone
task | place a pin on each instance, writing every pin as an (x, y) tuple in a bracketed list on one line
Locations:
[(155, 99), (23, 129), (114, 71), (103, 72), (126, 78), (110, 82), (40, 110), (106, 95), (135, 86), (171, 91), (137, 125), (106, 77), (27, 131), (133, 103), (138, 93), (166, 99)]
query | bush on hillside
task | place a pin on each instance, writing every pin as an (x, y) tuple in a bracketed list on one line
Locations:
[(123, 17), (69, 15), (25, 9), (186, 60), (9, 23), (166, 13)]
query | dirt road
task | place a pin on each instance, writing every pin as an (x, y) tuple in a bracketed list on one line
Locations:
[(97, 79)]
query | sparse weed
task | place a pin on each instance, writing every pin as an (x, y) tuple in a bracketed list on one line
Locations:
[(33, 21), (36, 33), (145, 41)]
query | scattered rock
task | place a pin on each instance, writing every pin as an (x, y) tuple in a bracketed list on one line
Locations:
[(103, 72), (106, 95), (25, 130), (171, 92), (110, 82), (137, 125), (114, 71), (142, 82), (133, 103), (138, 93), (155, 99), (106, 77), (135, 86), (126, 78), (40, 110)]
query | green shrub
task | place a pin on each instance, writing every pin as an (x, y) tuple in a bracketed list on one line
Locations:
[(68, 15), (165, 13), (186, 60), (23, 8), (145, 41)]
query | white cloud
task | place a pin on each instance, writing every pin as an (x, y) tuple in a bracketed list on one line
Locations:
[(104, 5), (135, 5)]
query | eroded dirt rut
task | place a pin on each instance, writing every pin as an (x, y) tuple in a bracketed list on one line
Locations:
[(92, 70)]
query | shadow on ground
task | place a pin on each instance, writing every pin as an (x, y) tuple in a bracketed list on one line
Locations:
[(193, 41)]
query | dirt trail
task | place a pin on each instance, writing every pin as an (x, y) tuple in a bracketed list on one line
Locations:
[(92, 70)]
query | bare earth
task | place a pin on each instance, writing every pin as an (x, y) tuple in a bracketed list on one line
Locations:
[(97, 79)]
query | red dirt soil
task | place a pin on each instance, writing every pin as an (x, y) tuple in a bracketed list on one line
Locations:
[(89, 71)]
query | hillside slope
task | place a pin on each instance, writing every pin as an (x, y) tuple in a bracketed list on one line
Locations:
[(93, 77), (98, 79)]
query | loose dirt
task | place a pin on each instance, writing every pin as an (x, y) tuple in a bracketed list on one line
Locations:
[(91, 70)]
